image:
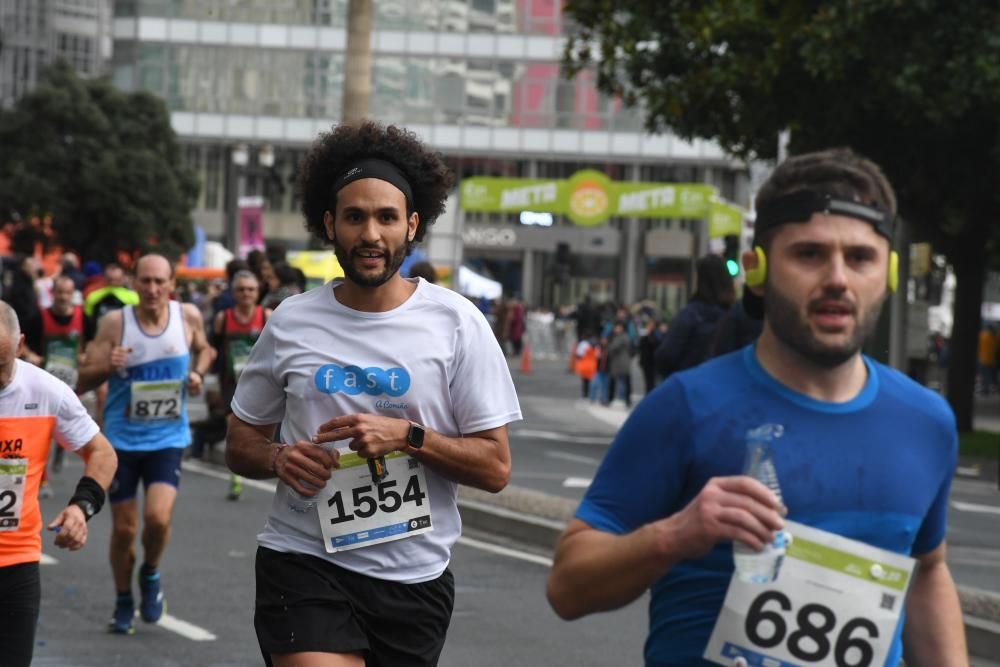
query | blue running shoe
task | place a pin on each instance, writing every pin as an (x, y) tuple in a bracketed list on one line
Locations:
[(123, 620), (152, 604)]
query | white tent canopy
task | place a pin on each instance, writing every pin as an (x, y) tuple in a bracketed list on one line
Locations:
[(472, 284)]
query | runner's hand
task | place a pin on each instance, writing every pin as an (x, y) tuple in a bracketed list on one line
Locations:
[(194, 383), (371, 435), (119, 356), (728, 508), (72, 526), (306, 467)]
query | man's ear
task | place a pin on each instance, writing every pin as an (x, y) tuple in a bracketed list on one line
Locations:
[(328, 223), (411, 226)]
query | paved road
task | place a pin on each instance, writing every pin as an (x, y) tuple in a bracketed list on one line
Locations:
[(501, 616)]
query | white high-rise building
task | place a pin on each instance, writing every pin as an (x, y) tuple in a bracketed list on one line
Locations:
[(477, 79), (34, 33)]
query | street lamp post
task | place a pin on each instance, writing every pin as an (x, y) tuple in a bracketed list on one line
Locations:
[(239, 168)]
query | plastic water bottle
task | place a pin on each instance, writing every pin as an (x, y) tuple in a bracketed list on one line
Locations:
[(297, 502), (761, 567)]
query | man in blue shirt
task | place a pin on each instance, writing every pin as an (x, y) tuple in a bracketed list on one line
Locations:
[(864, 452)]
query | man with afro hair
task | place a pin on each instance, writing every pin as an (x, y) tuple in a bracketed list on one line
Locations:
[(370, 399)]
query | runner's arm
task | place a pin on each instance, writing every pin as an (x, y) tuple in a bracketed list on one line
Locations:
[(100, 460), (479, 459), (934, 632), (201, 352), (252, 452), (596, 570), (200, 348), (100, 465), (96, 366)]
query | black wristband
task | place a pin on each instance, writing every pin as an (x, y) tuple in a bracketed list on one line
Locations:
[(88, 491)]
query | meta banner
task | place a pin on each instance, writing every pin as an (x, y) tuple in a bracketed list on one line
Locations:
[(589, 198)]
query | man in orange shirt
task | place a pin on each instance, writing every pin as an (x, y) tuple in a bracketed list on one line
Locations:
[(35, 407)]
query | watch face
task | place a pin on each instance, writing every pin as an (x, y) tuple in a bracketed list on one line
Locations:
[(416, 436)]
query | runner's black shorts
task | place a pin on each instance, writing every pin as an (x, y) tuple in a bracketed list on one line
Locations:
[(305, 603), (20, 598), (156, 466)]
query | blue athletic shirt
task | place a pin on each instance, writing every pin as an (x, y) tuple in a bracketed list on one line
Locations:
[(157, 362), (876, 469)]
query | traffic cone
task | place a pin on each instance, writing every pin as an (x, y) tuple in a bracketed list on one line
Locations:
[(526, 359)]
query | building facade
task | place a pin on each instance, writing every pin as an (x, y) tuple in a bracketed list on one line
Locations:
[(479, 80), (34, 33)]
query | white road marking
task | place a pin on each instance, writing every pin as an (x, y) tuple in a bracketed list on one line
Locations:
[(575, 458), (967, 471), (973, 507), (610, 416), (167, 622), (561, 437), (209, 471), (505, 551), (185, 629), (577, 482)]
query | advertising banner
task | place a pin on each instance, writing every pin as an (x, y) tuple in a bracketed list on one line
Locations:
[(589, 198), (251, 224)]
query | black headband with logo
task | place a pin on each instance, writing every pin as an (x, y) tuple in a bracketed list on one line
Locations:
[(800, 205), (373, 167)]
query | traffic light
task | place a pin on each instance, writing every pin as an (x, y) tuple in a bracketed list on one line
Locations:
[(732, 254)]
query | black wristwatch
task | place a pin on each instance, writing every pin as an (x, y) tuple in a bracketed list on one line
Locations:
[(415, 436), (88, 508)]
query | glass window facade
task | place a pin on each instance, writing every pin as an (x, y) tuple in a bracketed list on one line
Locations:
[(415, 90), (543, 17)]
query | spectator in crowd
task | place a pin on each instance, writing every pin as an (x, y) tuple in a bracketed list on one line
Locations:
[(225, 298), (599, 387), (424, 270), (585, 364), (648, 342), (284, 284), (736, 330), (987, 359), (515, 325), (693, 328), (620, 364)]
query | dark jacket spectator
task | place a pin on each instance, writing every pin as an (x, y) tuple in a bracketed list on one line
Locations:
[(692, 330)]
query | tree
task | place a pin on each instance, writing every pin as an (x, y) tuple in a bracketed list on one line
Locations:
[(105, 164), (358, 61), (915, 85)]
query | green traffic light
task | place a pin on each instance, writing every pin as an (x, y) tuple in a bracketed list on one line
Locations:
[(732, 267)]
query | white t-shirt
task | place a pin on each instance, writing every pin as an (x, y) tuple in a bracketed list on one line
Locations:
[(432, 360), (37, 394)]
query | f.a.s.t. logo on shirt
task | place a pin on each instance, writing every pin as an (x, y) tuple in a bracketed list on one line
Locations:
[(354, 380)]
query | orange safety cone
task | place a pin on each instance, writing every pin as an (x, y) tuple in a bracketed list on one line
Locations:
[(526, 359)]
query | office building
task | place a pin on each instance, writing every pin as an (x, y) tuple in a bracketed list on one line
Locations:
[(477, 79), (34, 33)]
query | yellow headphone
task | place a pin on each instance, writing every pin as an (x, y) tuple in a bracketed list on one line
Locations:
[(756, 276)]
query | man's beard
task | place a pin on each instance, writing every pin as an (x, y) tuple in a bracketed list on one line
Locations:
[(392, 263), (789, 327)]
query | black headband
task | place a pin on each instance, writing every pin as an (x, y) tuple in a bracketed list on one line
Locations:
[(373, 167), (799, 206)]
